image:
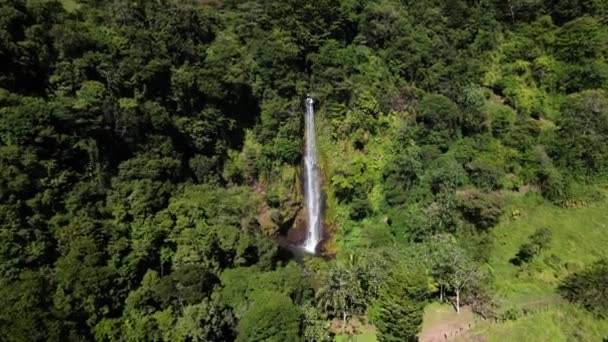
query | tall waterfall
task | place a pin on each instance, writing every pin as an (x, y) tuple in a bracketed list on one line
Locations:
[(312, 190)]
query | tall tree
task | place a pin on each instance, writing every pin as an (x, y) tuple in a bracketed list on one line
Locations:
[(341, 294), (400, 306), (583, 126)]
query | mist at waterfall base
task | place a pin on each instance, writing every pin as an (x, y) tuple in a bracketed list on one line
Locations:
[(312, 186)]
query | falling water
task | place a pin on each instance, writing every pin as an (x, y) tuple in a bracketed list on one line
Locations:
[(312, 190)]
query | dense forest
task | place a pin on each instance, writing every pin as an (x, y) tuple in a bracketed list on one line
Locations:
[(151, 156)]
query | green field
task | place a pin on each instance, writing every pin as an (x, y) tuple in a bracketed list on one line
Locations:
[(529, 291), (559, 322), (579, 238)]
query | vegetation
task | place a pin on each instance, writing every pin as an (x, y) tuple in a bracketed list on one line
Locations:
[(538, 241), (587, 288), (150, 155), (400, 305)]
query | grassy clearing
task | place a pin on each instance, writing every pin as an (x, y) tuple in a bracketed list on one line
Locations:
[(564, 322), (559, 322), (579, 238), (441, 320), (367, 334)]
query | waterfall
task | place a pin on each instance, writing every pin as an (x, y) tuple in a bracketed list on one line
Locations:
[(312, 189)]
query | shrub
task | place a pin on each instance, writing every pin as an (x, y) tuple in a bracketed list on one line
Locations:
[(538, 241), (588, 288), (360, 206), (481, 209), (272, 317), (552, 185)]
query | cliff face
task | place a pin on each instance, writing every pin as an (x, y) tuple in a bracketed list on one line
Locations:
[(280, 201)]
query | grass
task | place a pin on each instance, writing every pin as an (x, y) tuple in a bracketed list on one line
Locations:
[(442, 320), (437, 312), (563, 322), (580, 237), (366, 334)]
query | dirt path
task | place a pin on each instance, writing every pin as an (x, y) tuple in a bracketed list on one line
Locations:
[(442, 324)]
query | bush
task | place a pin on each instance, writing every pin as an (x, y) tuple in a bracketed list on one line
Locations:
[(510, 315), (401, 174), (481, 209), (526, 252), (272, 317), (273, 196), (445, 174), (349, 179), (579, 194), (588, 288), (552, 185), (554, 262), (359, 207), (204, 168), (538, 241), (583, 129)]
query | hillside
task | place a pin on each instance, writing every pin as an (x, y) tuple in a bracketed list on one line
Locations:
[(156, 170)]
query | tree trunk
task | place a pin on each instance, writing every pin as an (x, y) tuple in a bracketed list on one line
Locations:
[(343, 322), (441, 293), (458, 301), (511, 10)]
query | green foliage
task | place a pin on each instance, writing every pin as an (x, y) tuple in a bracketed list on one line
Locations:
[(272, 317), (315, 327), (360, 206), (401, 175), (400, 306), (174, 307), (241, 285), (24, 300), (537, 242), (149, 154), (552, 184), (441, 119), (587, 28), (341, 294), (587, 288), (481, 209), (445, 174), (452, 267), (582, 126), (502, 119), (207, 321), (213, 226), (351, 180), (530, 290)]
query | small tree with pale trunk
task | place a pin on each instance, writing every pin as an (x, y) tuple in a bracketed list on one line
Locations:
[(451, 267), (464, 273)]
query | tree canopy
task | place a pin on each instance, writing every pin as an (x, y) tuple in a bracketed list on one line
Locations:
[(150, 157)]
